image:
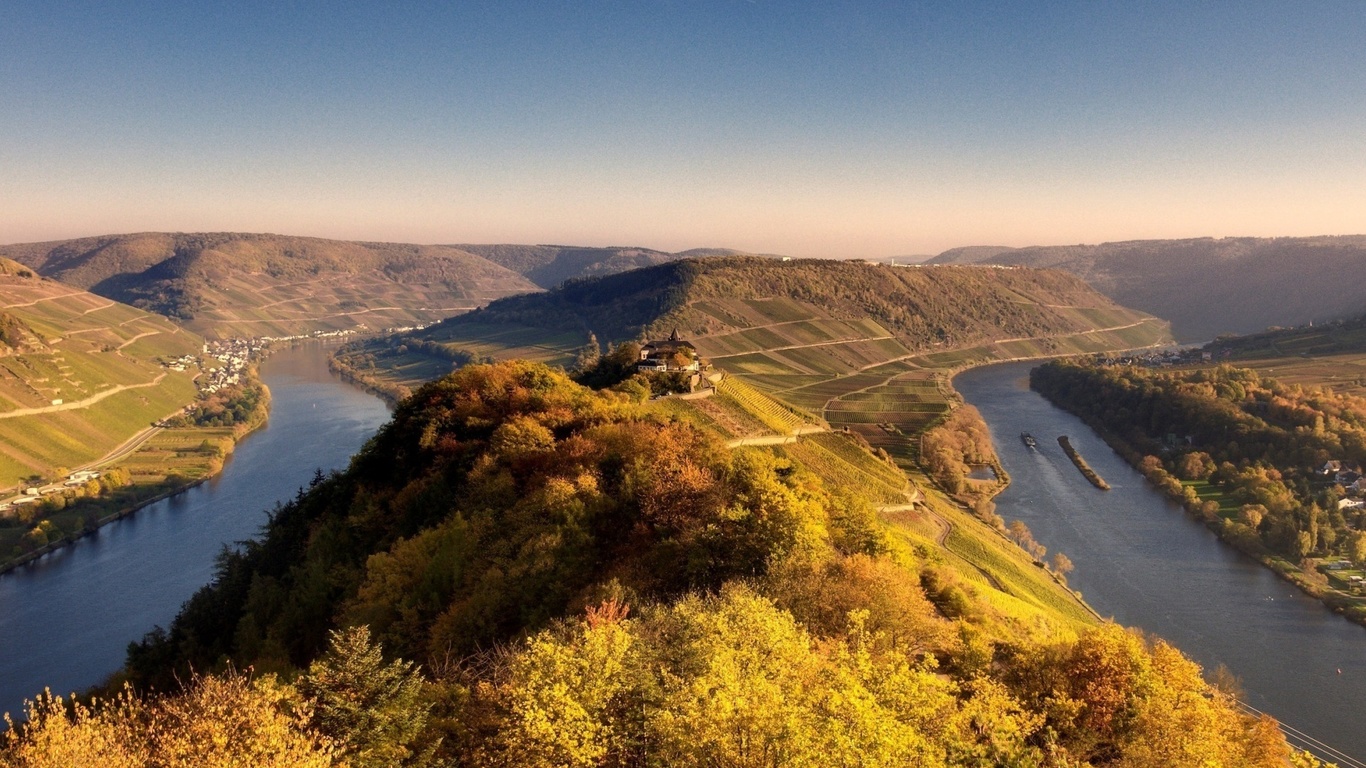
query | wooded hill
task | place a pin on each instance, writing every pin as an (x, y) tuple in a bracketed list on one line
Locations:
[(550, 265), (587, 583), (1208, 286), (857, 345), (79, 374), (922, 308), (240, 285)]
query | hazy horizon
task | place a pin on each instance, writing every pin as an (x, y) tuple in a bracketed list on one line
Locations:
[(863, 130)]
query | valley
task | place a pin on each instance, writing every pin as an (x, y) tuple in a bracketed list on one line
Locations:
[(827, 375)]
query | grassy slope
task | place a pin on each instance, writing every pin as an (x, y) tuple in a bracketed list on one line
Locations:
[(1208, 286), (226, 285), (79, 346), (1003, 574)]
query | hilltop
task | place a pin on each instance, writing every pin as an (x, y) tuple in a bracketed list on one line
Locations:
[(855, 345), (923, 308), (232, 285), (79, 374), (550, 265), (1207, 286)]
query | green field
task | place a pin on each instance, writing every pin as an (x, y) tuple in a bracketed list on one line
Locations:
[(1228, 507)]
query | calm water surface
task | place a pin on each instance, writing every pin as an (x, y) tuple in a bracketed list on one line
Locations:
[(1142, 560), (66, 620)]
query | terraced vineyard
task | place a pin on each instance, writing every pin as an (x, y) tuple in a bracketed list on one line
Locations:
[(779, 418), (891, 414), (79, 374), (840, 460), (227, 285), (855, 346), (859, 375)]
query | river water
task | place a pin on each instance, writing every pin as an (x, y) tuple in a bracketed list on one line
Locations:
[(1140, 559), (66, 619)]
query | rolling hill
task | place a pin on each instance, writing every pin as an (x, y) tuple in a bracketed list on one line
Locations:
[(855, 345), (225, 285), (1207, 286), (550, 265), (79, 374)]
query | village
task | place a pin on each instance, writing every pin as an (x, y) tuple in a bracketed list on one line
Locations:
[(234, 356), (1342, 572), (1167, 358)]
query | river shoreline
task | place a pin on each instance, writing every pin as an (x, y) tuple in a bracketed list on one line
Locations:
[(71, 538), (258, 418), (66, 619), (1147, 563), (1291, 575), (1282, 568)]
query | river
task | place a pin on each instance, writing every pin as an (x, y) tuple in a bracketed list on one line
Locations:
[(1141, 559), (66, 619)]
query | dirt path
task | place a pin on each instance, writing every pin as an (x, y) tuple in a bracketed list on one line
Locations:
[(78, 404), (45, 298), (788, 439), (135, 338)]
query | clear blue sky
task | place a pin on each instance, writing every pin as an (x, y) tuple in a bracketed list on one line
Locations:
[(815, 129)]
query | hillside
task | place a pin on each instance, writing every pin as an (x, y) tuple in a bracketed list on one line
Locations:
[(238, 285), (856, 345), (1208, 286), (79, 374), (550, 265), (585, 583), (1330, 356)]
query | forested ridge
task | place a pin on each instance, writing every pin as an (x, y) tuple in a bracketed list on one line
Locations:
[(951, 306), (557, 577), (550, 265)]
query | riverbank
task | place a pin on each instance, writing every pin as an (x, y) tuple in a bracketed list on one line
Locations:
[(1310, 583), (69, 616), (182, 451), (91, 513), (389, 392), (1147, 563)]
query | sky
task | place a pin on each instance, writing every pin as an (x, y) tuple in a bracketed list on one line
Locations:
[(833, 129)]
